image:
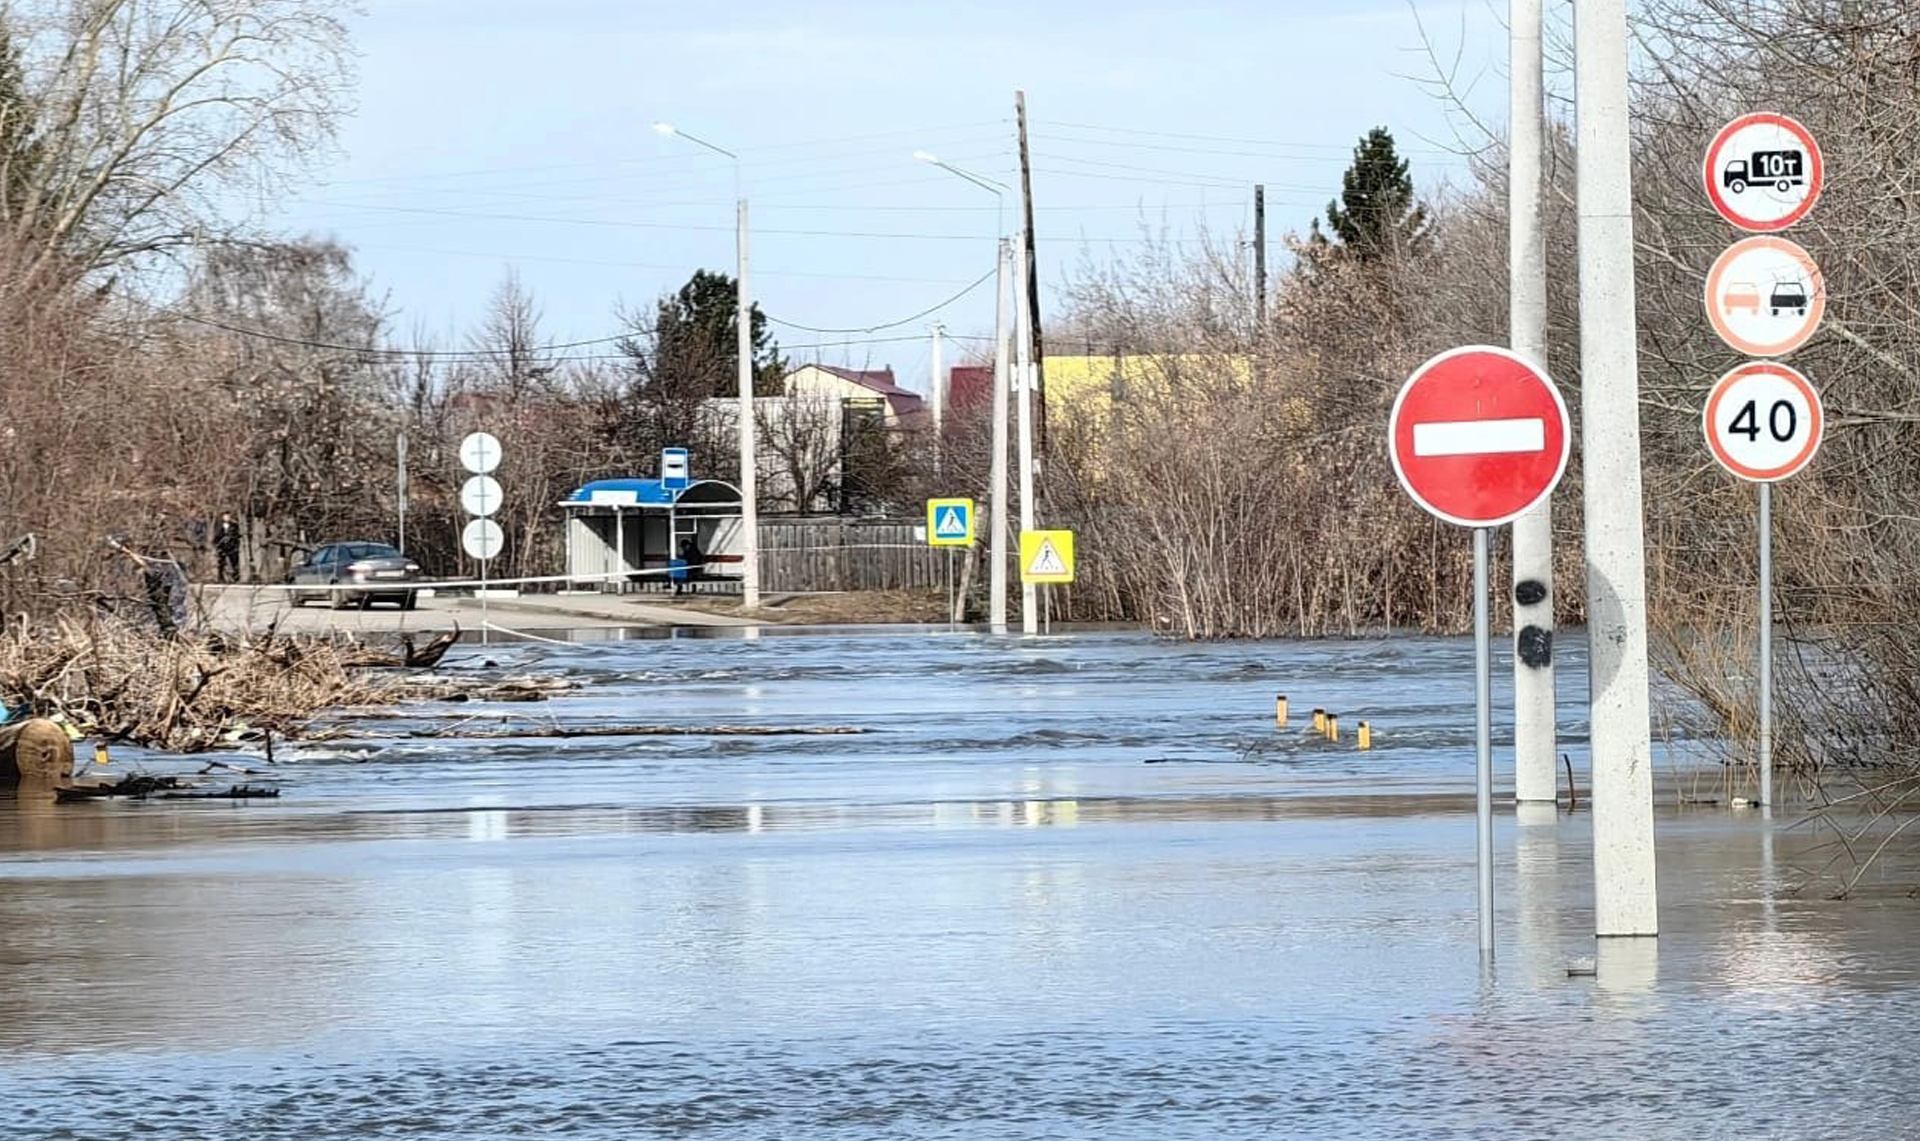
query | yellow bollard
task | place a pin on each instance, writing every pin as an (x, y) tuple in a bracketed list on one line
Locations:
[(1280, 712), (1333, 728), (1366, 735), (1320, 722)]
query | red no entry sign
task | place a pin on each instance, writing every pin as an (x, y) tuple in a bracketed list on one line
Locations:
[(1478, 436)]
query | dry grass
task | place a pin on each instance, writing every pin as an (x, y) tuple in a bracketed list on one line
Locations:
[(858, 607)]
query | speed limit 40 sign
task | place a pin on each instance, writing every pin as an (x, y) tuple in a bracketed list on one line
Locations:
[(1763, 421)]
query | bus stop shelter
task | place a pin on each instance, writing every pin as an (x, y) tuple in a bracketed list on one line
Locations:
[(627, 533)]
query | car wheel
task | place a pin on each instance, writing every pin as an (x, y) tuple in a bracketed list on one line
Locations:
[(409, 600), (338, 599)]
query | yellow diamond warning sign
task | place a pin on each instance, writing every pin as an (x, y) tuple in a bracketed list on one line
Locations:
[(1046, 556)]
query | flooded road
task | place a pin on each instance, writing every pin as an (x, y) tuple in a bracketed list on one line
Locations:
[(1071, 888)]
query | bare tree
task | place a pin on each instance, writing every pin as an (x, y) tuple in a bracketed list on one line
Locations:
[(151, 119)]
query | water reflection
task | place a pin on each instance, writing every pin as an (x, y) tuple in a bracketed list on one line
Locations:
[(1022, 914)]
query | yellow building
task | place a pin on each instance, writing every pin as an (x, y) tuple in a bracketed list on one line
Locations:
[(1086, 390)]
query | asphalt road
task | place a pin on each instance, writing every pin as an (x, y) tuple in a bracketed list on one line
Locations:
[(257, 608)]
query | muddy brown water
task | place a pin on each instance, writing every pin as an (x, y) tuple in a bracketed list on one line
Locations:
[(1074, 888)]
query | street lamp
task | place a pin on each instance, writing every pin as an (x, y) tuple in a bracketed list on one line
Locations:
[(997, 468), (1022, 373), (743, 317)]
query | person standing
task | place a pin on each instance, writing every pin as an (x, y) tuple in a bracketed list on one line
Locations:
[(226, 545)]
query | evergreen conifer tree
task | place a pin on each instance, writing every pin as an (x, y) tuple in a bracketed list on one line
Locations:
[(1376, 213)]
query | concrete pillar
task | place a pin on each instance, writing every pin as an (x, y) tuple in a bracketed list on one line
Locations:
[(1625, 899), (1534, 742)]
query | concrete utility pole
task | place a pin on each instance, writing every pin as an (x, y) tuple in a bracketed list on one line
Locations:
[(743, 317), (1625, 897), (1032, 274), (997, 467), (937, 386), (749, 468), (1003, 288), (1023, 386), (1535, 777)]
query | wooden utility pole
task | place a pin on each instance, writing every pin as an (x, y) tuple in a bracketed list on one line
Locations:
[(1033, 268), (1259, 262)]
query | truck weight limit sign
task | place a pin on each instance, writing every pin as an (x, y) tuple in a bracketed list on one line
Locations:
[(1763, 172), (1763, 421)]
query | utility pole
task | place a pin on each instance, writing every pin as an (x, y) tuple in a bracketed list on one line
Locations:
[(1535, 777), (997, 466), (937, 386), (1023, 386), (1625, 896), (749, 472), (1259, 264), (743, 317), (1032, 275), (400, 487)]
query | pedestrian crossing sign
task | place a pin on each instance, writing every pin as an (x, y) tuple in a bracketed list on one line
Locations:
[(1046, 556), (950, 522)]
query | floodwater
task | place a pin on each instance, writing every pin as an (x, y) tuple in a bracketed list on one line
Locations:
[(1071, 888)]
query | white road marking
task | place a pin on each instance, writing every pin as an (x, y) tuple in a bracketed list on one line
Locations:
[(1479, 437)]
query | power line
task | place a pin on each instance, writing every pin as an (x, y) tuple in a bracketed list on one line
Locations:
[(833, 181), (677, 159), (1162, 170), (419, 354), (1192, 136), (698, 226), (690, 177), (757, 271), (977, 283), (542, 350)]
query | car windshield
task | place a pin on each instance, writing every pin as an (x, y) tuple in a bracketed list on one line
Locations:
[(369, 551)]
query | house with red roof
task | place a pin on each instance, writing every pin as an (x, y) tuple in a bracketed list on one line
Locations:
[(970, 386), (904, 409)]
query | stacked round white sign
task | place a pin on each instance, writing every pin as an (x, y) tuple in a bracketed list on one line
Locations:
[(1765, 297), (481, 496)]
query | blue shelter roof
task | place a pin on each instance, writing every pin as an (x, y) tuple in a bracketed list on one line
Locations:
[(649, 493), (625, 492)]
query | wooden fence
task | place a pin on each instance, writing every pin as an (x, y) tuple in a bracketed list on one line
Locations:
[(842, 553)]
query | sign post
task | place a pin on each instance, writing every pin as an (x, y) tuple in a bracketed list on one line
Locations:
[(1046, 557), (1763, 421), (400, 487), (950, 524), (1765, 297), (480, 496), (1478, 437)]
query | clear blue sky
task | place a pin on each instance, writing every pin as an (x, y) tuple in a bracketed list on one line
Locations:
[(496, 133)]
